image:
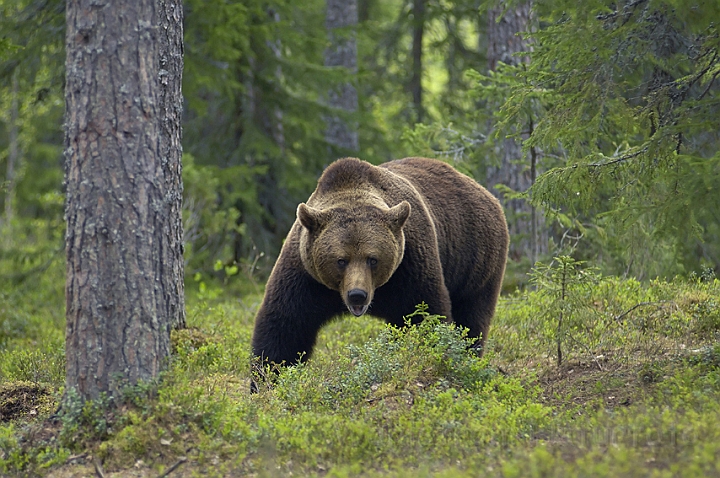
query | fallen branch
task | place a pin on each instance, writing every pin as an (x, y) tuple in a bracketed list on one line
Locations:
[(177, 464), (98, 468), (75, 457), (641, 304)]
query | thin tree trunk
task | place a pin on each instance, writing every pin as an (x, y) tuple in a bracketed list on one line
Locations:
[(276, 121), (364, 9), (14, 150), (124, 289), (417, 51), (515, 170), (342, 14), (261, 108)]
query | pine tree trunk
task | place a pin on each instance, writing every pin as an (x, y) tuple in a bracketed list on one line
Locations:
[(342, 14), (417, 66), (124, 289), (518, 172)]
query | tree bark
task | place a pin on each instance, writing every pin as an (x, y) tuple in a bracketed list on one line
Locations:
[(170, 44), (527, 227), (342, 14), (417, 51), (124, 289), (503, 39)]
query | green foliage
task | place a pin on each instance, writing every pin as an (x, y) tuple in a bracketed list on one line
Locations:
[(81, 421), (408, 394), (254, 75), (674, 433), (37, 30), (42, 365), (452, 45), (432, 352), (617, 103), (210, 218), (32, 337), (604, 318), (639, 376), (623, 100)]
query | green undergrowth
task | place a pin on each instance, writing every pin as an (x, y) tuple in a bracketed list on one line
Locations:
[(637, 392)]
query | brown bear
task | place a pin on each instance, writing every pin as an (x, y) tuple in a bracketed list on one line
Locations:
[(386, 238)]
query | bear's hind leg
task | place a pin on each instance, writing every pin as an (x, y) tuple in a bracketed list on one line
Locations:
[(475, 312)]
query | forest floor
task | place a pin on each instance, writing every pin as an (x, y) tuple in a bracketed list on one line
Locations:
[(637, 393)]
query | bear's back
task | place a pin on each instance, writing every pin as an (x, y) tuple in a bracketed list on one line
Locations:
[(347, 173), (464, 213)]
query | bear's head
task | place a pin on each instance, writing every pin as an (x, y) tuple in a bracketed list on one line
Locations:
[(354, 249)]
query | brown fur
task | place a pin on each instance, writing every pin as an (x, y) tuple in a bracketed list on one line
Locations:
[(409, 231)]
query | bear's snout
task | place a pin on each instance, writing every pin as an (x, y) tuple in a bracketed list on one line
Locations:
[(356, 299)]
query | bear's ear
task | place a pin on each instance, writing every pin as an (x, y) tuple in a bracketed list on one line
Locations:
[(398, 215), (312, 219)]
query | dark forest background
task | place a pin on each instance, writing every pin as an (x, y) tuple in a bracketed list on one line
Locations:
[(596, 122)]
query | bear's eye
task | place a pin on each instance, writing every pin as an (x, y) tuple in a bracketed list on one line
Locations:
[(372, 262), (342, 262)]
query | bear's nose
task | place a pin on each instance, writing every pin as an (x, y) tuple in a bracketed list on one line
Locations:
[(357, 297)]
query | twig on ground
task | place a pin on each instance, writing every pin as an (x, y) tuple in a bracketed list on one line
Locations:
[(641, 304), (177, 464), (98, 468), (75, 457)]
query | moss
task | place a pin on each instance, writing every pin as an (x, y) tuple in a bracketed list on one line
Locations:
[(636, 395), (24, 401), (191, 338)]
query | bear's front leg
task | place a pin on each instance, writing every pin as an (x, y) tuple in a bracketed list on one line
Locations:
[(294, 309)]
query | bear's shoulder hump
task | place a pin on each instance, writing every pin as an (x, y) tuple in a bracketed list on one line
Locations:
[(347, 173)]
